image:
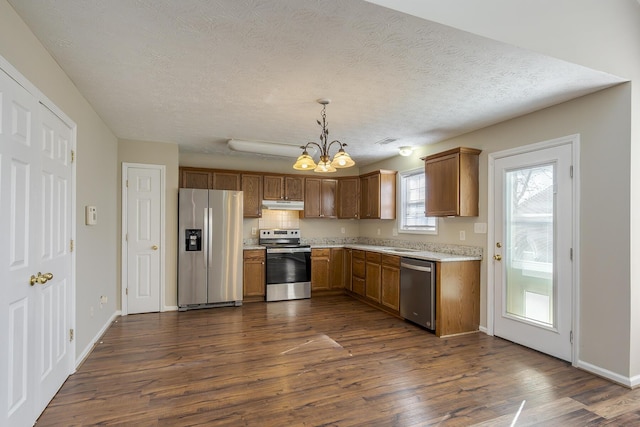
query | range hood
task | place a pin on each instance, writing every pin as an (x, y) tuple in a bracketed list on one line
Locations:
[(283, 205)]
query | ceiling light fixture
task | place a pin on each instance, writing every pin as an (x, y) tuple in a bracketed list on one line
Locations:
[(340, 160), (405, 151)]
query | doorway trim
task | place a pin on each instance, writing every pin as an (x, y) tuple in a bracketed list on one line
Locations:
[(574, 141), (125, 227)]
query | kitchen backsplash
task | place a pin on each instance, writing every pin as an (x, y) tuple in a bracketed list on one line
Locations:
[(279, 219)]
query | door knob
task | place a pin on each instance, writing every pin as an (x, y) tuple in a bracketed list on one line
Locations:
[(40, 279), (497, 257), (154, 247)]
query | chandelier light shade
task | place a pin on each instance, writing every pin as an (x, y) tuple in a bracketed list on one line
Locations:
[(340, 160)]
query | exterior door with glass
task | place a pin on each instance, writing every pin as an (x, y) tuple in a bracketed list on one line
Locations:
[(532, 249)]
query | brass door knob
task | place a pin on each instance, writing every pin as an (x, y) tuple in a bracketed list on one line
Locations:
[(40, 279), (154, 247), (497, 257)]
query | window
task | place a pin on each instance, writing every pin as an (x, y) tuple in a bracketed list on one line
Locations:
[(412, 196)]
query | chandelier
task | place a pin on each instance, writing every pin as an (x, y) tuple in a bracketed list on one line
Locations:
[(340, 160)]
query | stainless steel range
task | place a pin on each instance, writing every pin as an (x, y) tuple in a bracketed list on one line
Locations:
[(288, 265)]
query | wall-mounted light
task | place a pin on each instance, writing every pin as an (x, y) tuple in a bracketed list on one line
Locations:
[(264, 147), (405, 151)]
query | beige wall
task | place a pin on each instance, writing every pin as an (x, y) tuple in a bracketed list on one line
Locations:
[(155, 153), (603, 122), (96, 268)]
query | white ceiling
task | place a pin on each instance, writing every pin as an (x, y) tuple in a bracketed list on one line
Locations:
[(201, 72)]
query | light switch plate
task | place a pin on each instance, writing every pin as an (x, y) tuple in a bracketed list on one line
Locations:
[(480, 227)]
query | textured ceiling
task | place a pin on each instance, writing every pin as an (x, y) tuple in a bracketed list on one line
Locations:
[(201, 72)]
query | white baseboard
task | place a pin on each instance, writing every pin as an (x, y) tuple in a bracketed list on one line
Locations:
[(605, 373), (96, 338), (170, 308), (483, 329)]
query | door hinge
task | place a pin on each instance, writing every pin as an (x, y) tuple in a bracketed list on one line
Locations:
[(126, 291), (70, 335), (71, 246), (73, 156), (571, 254), (126, 237), (571, 337), (126, 184), (571, 171)]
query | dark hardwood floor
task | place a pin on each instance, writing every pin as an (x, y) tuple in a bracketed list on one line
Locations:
[(330, 361)]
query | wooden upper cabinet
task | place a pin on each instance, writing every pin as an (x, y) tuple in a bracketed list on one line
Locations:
[(209, 179), (349, 198), (451, 181), (252, 195), (226, 181), (378, 195), (320, 198), (195, 178), (278, 187)]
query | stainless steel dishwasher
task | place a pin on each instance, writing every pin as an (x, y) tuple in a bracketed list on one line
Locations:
[(418, 292)]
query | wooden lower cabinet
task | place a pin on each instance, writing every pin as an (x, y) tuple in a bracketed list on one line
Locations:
[(320, 263), (373, 275), (390, 282), (457, 297), (336, 269), (347, 274), (358, 271), (253, 275)]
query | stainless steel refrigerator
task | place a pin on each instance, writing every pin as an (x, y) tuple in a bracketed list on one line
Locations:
[(210, 253)]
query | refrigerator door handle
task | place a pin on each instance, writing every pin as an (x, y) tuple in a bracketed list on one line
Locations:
[(205, 237), (210, 236)]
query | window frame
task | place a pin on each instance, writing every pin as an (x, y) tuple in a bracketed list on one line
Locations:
[(433, 230)]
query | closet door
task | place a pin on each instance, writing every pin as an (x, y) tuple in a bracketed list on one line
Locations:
[(35, 258)]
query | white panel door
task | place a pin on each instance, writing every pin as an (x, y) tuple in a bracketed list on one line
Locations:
[(19, 222), (54, 256), (143, 239), (35, 227), (532, 249)]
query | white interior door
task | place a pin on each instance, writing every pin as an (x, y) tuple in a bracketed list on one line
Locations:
[(532, 246), (35, 225), (54, 256), (144, 234)]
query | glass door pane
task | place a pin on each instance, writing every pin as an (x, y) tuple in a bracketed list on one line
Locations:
[(529, 250)]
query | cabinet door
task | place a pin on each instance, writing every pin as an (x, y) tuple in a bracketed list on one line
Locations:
[(273, 187), (226, 181), (390, 282), (441, 179), (347, 276), (328, 190), (253, 273), (348, 198), (358, 267), (373, 275), (195, 179), (365, 211), (336, 269), (252, 195), (320, 259), (312, 199), (373, 197), (294, 188)]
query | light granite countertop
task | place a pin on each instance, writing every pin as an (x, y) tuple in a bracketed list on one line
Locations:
[(404, 252)]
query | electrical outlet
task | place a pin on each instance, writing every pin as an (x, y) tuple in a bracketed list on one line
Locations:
[(394, 232), (378, 231), (463, 235), (480, 227), (342, 230), (91, 311), (254, 231), (103, 299)]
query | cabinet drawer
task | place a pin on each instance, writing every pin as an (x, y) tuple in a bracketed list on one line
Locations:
[(253, 254), (358, 267), (374, 257), (391, 260), (357, 253), (317, 253)]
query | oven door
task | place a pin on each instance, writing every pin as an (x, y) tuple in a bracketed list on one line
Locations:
[(288, 265)]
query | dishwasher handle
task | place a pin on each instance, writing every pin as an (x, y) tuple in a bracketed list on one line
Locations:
[(415, 267)]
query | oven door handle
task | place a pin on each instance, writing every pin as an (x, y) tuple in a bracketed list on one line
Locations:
[(287, 250)]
